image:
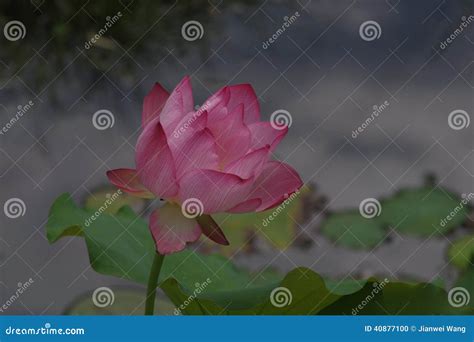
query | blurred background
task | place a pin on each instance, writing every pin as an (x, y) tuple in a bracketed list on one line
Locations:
[(329, 64)]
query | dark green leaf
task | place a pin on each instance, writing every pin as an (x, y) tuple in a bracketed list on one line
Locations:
[(461, 252), (350, 229), (121, 245), (127, 301), (423, 211)]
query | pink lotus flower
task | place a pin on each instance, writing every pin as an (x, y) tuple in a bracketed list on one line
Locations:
[(214, 159)]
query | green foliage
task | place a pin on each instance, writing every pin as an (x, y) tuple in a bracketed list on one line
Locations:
[(345, 286), (278, 226), (121, 245), (420, 212), (306, 293), (350, 229), (461, 253), (466, 282), (127, 301)]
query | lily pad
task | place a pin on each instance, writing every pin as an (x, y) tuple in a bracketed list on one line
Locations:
[(394, 298), (424, 211), (416, 299), (352, 230), (301, 292), (344, 287), (304, 292)]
